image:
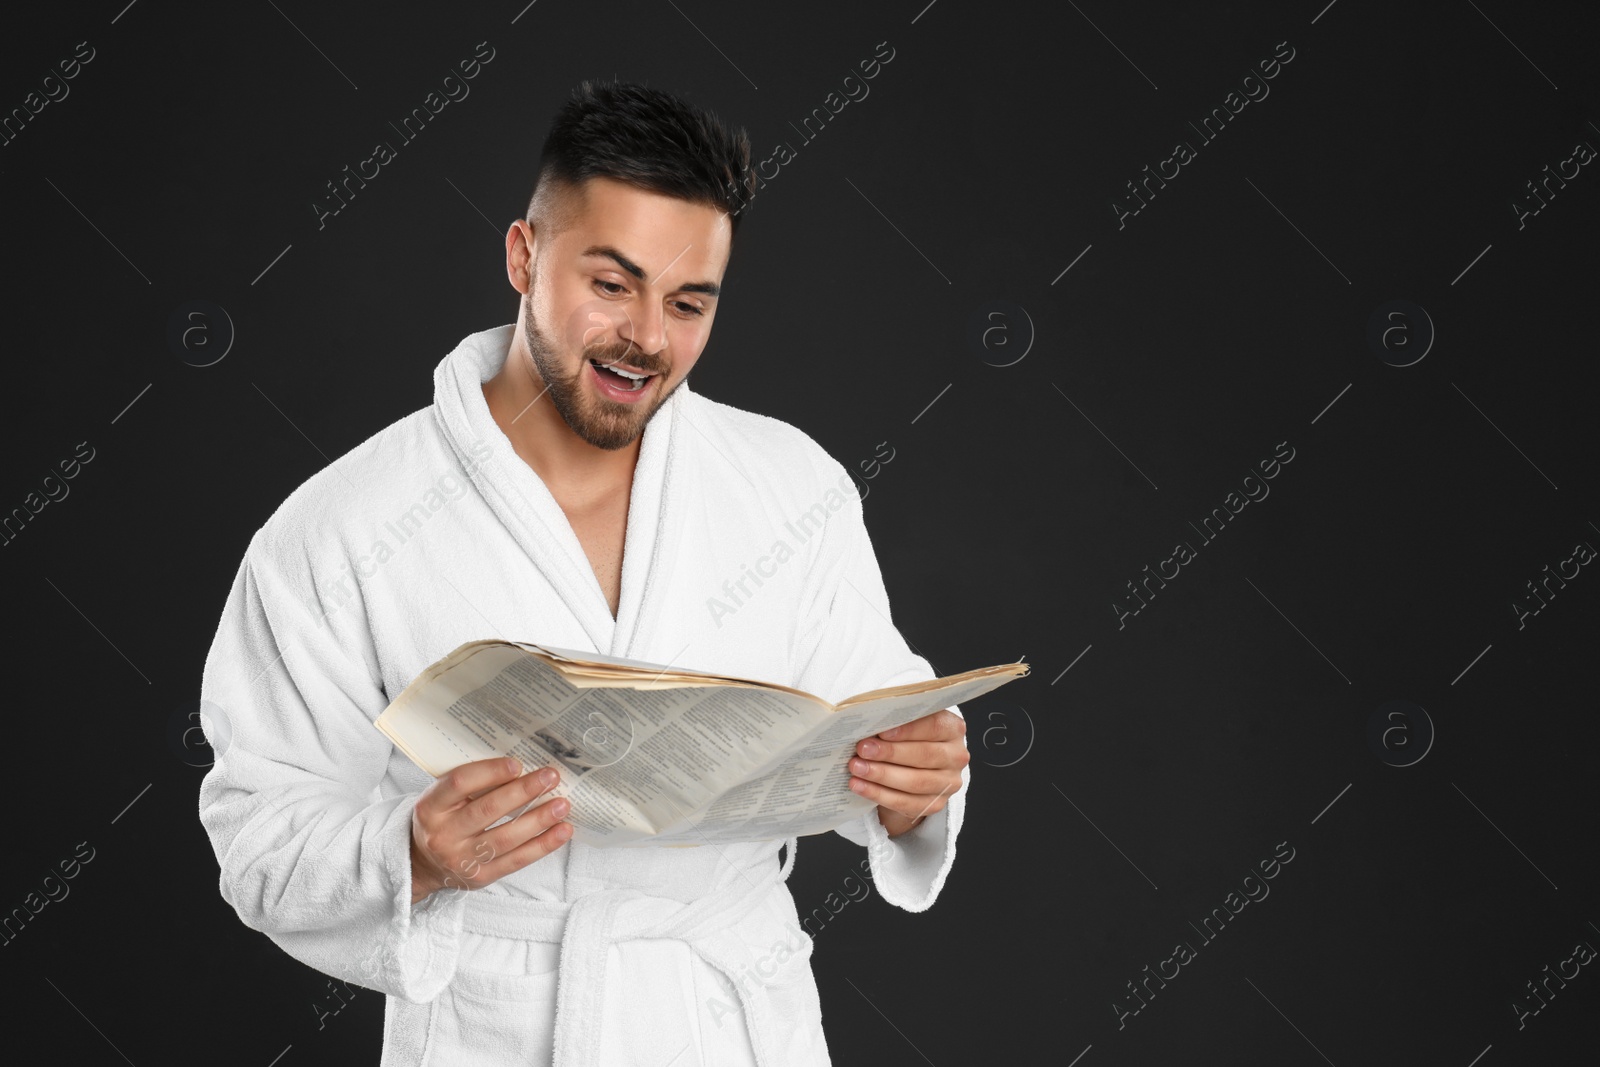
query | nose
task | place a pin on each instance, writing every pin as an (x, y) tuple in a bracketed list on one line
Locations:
[(644, 327)]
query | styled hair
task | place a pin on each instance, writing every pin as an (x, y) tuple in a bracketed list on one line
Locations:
[(648, 138)]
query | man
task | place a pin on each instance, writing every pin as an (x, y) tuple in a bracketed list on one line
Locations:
[(566, 487)]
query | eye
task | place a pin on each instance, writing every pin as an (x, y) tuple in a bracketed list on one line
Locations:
[(610, 288)]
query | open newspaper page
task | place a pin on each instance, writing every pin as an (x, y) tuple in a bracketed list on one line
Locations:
[(805, 789), (651, 755), (632, 760)]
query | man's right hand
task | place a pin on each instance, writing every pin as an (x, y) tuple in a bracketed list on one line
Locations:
[(450, 845)]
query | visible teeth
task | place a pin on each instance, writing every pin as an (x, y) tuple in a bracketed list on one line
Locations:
[(636, 381), (626, 374)]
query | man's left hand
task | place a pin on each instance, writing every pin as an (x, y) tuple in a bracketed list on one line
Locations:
[(911, 770)]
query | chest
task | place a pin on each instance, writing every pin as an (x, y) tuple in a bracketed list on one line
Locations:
[(601, 529)]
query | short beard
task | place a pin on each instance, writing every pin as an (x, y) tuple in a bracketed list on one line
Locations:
[(612, 424)]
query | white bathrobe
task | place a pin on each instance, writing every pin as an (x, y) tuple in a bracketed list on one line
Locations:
[(745, 554)]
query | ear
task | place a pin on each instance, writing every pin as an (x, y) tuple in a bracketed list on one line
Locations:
[(521, 247)]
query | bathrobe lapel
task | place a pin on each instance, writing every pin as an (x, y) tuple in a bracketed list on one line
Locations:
[(662, 485), (530, 513)]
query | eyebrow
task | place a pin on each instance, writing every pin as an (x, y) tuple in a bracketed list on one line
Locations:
[(708, 288)]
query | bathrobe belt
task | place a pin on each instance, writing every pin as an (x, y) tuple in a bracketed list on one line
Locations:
[(587, 927)]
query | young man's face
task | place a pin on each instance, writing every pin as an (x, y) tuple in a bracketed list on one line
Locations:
[(587, 307)]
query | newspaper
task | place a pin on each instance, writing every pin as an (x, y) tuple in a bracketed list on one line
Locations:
[(655, 755)]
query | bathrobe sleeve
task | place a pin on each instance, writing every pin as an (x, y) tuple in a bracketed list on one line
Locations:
[(311, 853), (847, 644)]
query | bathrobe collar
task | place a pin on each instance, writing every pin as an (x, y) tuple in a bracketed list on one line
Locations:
[(524, 504)]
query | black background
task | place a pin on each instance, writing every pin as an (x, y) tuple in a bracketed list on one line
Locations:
[(1113, 803)]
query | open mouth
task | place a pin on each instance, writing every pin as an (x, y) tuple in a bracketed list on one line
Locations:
[(626, 381)]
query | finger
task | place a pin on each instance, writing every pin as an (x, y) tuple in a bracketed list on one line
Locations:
[(928, 754), (470, 779), (479, 814), (533, 848), (905, 779), (512, 834), (471, 869), (942, 725), (911, 805)]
